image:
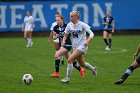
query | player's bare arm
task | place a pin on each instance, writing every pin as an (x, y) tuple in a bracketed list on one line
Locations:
[(137, 51), (89, 38), (113, 25), (23, 26), (64, 39), (55, 36)]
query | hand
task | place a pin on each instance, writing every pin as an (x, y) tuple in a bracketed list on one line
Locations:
[(63, 43), (135, 55), (48, 40), (112, 31), (86, 43), (22, 30)]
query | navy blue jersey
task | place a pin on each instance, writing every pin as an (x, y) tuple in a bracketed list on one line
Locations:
[(60, 30), (108, 22)]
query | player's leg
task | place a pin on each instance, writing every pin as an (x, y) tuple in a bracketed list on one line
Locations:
[(70, 61), (82, 62), (30, 38), (62, 60), (77, 66), (26, 38), (58, 54), (57, 46), (105, 37), (110, 39), (129, 71)]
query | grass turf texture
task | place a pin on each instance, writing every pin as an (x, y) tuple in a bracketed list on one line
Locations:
[(16, 60)]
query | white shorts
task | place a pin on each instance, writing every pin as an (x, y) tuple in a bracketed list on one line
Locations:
[(82, 48), (56, 40), (28, 29)]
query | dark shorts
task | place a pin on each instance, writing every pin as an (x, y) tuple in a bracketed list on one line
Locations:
[(68, 47), (108, 31), (138, 60)]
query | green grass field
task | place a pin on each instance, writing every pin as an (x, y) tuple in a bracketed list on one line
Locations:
[(16, 60)]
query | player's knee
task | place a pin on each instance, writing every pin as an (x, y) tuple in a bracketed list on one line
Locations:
[(82, 65), (25, 37), (138, 60), (56, 56), (70, 61)]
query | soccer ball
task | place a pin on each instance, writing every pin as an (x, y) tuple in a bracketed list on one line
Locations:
[(27, 79)]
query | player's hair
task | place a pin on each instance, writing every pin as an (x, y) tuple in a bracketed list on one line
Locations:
[(57, 13), (62, 18), (29, 11), (108, 11), (77, 13)]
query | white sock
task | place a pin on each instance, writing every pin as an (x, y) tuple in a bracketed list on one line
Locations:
[(88, 66), (62, 58), (128, 71), (69, 69), (29, 41)]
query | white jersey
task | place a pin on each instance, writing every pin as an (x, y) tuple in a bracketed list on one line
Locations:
[(78, 32), (28, 21), (53, 25)]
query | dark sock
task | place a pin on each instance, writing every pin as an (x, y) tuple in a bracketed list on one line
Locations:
[(105, 40), (57, 62), (76, 65), (124, 76), (128, 72), (110, 41), (62, 62), (131, 68)]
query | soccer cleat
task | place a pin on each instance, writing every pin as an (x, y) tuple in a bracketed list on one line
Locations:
[(65, 80), (82, 71), (27, 46), (123, 78), (120, 81), (55, 74), (95, 72), (31, 44), (107, 48)]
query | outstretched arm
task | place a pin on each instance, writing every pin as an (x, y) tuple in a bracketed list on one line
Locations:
[(50, 36), (137, 51), (113, 26)]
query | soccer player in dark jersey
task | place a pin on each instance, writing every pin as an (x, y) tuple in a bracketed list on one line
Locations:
[(64, 50), (56, 40), (134, 65), (108, 23)]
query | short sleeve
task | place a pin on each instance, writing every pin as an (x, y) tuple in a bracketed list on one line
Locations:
[(53, 25), (32, 19), (86, 27)]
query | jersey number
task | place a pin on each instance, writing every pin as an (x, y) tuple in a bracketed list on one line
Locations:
[(75, 35)]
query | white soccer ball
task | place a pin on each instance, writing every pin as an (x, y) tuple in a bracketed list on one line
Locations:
[(27, 79)]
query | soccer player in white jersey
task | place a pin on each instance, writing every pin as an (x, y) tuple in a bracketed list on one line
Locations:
[(78, 30), (27, 28), (56, 41)]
